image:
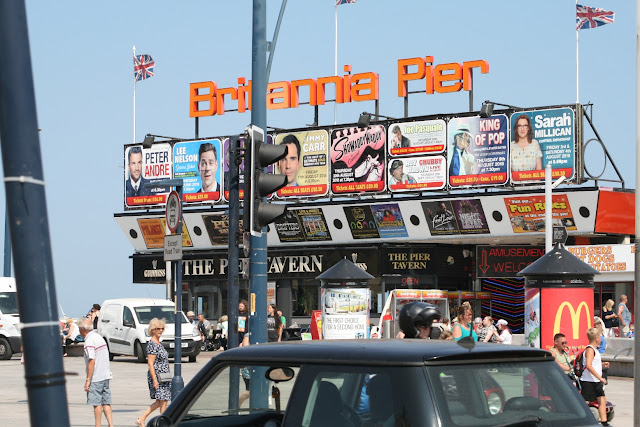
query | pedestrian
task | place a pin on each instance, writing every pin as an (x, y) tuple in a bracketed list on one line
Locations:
[(602, 348), (488, 332), (592, 382), (446, 335), (625, 317), (95, 315), (415, 320), (477, 324), (245, 372), (609, 318), (505, 336), (446, 324), (158, 362), (282, 318), (243, 320), (464, 328), (274, 324), (204, 326), (559, 351), (70, 335), (96, 359), (192, 317), (223, 325)]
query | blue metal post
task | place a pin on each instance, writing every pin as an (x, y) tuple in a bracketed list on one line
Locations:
[(26, 203), (177, 383), (232, 277), (258, 262)]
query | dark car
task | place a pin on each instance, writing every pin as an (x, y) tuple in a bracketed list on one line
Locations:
[(379, 383)]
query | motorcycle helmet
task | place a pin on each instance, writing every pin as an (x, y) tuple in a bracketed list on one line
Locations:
[(417, 314)]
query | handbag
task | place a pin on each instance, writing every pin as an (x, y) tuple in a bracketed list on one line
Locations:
[(164, 377), (615, 322)]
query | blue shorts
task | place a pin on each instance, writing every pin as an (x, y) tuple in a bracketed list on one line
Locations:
[(99, 393)]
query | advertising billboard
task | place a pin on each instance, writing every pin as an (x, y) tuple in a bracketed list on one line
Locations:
[(527, 213), (146, 165), (305, 165), (539, 138), (421, 137), (358, 160), (478, 151), (197, 164)]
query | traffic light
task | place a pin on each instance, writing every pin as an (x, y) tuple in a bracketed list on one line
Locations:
[(257, 212)]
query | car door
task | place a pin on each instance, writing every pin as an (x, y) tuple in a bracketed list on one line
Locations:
[(110, 327), (128, 331)]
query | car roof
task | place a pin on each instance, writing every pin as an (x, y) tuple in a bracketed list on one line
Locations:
[(139, 301), (382, 352)]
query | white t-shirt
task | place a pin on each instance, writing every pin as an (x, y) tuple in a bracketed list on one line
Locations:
[(597, 365), (506, 337), (95, 347), (74, 331)]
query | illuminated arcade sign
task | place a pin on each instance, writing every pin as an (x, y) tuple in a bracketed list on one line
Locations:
[(207, 99)]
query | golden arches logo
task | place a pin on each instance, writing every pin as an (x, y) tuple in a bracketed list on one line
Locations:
[(575, 317)]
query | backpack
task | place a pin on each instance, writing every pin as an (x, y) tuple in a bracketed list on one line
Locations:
[(579, 364)]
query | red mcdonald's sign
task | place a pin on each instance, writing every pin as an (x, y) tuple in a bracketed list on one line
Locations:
[(568, 311)]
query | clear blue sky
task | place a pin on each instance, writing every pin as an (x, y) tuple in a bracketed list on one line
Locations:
[(83, 72)]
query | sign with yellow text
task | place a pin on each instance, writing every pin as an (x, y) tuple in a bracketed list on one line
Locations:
[(527, 213)]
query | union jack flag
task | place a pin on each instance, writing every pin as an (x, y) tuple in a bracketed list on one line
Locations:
[(592, 17), (339, 2), (143, 67)]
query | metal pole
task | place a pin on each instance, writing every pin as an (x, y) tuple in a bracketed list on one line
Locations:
[(258, 262), (232, 277), (548, 209), (471, 91), (26, 203), (7, 244), (177, 383), (636, 273), (272, 49)]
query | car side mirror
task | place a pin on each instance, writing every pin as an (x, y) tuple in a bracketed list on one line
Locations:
[(160, 421), (279, 374), (128, 324)]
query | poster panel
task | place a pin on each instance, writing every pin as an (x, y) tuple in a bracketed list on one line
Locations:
[(217, 226), (358, 160), (527, 213), (477, 152), (300, 225), (568, 311), (532, 317), (154, 229), (225, 183), (470, 215), (539, 138), (440, 217), (345, 313), (146, 165), (426, 136), (197, 163), (361, 222), (389, 220), (305, 164), (417, 173)]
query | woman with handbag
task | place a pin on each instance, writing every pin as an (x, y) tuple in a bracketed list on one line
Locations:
[(610, 318), (159, 375)]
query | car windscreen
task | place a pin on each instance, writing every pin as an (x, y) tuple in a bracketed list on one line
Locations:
[(148, 312), (9, 302), (488, 394)]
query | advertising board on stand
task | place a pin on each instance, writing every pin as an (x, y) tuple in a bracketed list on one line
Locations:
[(345, 313)]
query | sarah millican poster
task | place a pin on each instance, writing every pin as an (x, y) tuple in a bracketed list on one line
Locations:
[(358, 160)]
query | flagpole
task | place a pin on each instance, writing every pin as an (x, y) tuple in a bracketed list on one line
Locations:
[(335, 65), (577, 63), (134, 98)]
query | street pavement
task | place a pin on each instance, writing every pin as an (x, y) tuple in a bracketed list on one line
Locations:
[(131, 395)]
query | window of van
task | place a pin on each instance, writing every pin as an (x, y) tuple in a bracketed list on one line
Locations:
[(9, 302), (127, 317), (146, 313)]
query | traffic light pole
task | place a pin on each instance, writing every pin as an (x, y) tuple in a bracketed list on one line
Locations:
[(258, 259)]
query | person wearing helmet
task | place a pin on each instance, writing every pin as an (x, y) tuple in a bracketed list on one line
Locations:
[(416, 319)]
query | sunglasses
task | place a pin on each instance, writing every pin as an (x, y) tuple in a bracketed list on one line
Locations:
[(159, 329)]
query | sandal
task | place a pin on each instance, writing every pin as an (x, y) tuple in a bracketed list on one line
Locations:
[(139, 423)]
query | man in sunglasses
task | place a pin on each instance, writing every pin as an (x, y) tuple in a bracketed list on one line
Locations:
[(560, 353)]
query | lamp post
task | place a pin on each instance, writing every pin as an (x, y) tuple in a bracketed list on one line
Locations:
[(177, 383)]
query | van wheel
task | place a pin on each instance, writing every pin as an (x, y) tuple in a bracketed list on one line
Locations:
[(140, 353), (192, 359), (5, 349)]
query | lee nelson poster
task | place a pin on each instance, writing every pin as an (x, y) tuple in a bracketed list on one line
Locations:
[(146, 165), (539, 138), (477, 151), (423, 137), (527, 213), (358, 160), (305, 164), (198, 164)]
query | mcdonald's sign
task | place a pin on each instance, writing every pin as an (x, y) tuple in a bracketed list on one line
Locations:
[(568, 311)]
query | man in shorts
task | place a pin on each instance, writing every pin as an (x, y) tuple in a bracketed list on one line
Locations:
[(96, 359)]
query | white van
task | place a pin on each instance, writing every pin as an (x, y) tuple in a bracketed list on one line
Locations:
[(123, 324), (10, 337)]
